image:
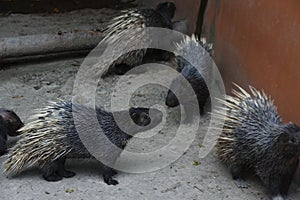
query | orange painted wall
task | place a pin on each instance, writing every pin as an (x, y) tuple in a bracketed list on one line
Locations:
[(257, 42)]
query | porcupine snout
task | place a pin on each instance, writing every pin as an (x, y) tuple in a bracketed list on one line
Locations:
[(171, 99)]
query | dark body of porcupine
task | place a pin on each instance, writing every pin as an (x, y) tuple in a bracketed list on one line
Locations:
[(9, 124), (255, 139), (190, 50), (52, 136), (161, 17)]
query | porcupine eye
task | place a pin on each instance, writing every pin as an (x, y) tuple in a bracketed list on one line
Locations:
[(145, 120), (134, 116), (292, 141)]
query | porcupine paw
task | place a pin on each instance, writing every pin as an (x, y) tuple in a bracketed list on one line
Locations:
[(240, 183), (114, 172), (2, 152), (108, 173), (52, 177), (188, 120), (189, 115), (110, 181), (121, 69), (278, 197), (68, 174)]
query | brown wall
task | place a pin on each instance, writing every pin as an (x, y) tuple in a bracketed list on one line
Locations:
[(257, 42)]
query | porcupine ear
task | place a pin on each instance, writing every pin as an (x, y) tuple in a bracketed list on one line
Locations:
[(295, 129), (291, 134), (291, 127), (166, 7)]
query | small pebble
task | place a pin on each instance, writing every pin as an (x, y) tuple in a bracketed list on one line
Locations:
[(69, 190)]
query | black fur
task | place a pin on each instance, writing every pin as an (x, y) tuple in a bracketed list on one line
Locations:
[(12, 121), (278, 162), (55, 171), (9, 124), (178, 85), (160, 17), (3, 136), (108, 173)]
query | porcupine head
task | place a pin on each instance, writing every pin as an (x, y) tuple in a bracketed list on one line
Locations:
[(12, 121)]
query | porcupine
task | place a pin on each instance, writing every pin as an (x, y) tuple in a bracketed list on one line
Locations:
[(255, 139), (136, 19), (189, 49), (51, 137), (9, 125)]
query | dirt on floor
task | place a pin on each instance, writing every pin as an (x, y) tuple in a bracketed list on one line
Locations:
[(28, 86)]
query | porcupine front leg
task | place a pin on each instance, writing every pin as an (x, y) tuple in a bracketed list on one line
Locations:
[(279, 182), (62, 171), (121, 69), (287, 178), (189, 114), (108, 173), (274, 182), (3, 139), (237, 172)]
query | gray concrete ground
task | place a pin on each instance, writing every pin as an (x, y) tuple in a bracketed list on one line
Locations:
[(29, 86)]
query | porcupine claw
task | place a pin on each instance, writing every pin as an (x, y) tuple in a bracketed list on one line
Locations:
[(241, 183), (279, 197), (108, 173)]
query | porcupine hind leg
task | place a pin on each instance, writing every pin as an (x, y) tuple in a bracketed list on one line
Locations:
[(50, 171), (55, 171), (108, 173), (237, 172), (62, 171), (201, 110), (121, 69)]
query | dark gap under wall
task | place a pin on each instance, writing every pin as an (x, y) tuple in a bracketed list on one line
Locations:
[(201, 17), (56, 6)]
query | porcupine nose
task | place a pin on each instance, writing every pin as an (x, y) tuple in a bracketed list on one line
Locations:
[(171, 99)]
